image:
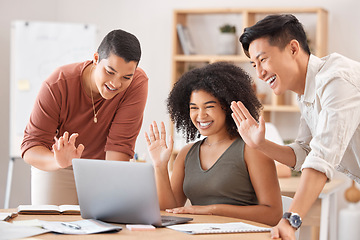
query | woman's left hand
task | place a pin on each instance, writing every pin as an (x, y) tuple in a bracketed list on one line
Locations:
[(202, 210)]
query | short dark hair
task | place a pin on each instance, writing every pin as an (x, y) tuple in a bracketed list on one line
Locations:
[(122, 44), (224, 81), (280, 29)]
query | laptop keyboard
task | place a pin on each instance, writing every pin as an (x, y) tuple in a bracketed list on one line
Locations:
[(165, 219), (171, 220)]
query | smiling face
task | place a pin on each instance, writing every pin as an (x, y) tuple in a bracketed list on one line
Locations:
[(112, 75), (206, 113), (275, 66)]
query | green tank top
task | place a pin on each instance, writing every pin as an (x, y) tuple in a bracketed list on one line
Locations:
[(226, 182)]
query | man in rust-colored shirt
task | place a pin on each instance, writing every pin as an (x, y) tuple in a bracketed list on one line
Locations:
[(92, 109)]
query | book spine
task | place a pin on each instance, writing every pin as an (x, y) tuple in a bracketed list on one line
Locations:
[(182, 38)]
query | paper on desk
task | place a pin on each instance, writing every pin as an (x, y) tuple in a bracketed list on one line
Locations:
[(13, 231), (29, 223), (204, 228), (88, 226)]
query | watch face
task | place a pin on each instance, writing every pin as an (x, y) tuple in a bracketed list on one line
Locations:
[(295, 220)]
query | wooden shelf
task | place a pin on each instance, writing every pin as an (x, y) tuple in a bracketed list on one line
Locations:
[(210, 58), (249, 10), (249, 17)]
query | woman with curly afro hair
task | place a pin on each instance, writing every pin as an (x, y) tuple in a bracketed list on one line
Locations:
[(219, 174)]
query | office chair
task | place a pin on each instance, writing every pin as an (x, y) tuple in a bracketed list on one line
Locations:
[(286, 202)]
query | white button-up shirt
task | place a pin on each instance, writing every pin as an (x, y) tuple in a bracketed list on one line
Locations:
[(329, 132)]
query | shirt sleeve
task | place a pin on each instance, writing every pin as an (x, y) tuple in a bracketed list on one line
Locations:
[(301, 146), (129, 116), (338, 119), (44, 119)]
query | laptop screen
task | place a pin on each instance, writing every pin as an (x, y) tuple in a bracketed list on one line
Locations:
[(117, 191)]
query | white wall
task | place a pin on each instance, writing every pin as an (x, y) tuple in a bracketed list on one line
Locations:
[(151, 22)]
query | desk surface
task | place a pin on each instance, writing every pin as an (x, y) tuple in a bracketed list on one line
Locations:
[(158, 234)]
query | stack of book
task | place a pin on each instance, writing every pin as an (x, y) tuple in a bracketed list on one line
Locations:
[(186, 42)]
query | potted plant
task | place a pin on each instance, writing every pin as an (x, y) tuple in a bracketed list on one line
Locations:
[(227, 28), (227, 40)]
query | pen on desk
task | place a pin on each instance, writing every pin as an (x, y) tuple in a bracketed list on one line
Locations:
[(71, 225)]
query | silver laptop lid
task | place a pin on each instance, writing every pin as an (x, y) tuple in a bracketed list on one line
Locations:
[(116, 191)]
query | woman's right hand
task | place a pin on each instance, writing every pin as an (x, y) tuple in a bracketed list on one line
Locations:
[(159, 151)]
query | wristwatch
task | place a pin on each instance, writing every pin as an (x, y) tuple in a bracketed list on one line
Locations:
[(293, 218)]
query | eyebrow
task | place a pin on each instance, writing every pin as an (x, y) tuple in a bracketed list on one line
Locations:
[(257, 56), (112, 68), (129, 75), (204, 103)]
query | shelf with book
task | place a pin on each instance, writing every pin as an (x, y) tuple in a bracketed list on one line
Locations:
[(202, 26), (210, 58)]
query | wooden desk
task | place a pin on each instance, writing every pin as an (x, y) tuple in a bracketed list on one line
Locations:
[(158, 234), (322, 225)]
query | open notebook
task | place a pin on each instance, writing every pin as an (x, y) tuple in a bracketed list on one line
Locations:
[(49, 209), (232, 227)]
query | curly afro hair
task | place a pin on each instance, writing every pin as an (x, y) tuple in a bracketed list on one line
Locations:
[(224, 81)]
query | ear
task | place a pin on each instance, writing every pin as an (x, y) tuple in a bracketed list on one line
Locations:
[(96, 58), (294, 47)]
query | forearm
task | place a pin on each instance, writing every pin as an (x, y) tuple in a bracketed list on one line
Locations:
[(165, 194), (311, 184), (282, 170), (257, 213), (41, 158), (280, 153)]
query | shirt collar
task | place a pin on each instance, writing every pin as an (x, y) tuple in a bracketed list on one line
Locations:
[(314, 65)]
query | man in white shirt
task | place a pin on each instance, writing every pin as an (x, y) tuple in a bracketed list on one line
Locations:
[(329, 98)]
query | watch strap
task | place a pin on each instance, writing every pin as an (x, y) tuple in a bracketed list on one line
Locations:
[(286, 215)]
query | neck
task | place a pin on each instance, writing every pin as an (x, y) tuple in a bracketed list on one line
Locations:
[(89, 83), (212, 140), (302, 62)]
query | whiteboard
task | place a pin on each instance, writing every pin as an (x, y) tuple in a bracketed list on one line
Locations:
[(37, 48)]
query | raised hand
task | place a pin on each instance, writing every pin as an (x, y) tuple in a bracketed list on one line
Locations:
[(65, 150), (252, 132), (159, 151)]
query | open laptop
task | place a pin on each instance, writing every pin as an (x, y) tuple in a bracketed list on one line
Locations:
[(119, 192)]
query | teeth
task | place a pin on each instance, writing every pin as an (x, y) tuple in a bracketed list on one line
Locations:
[(205, 124), (271, 80), (112, 89)]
